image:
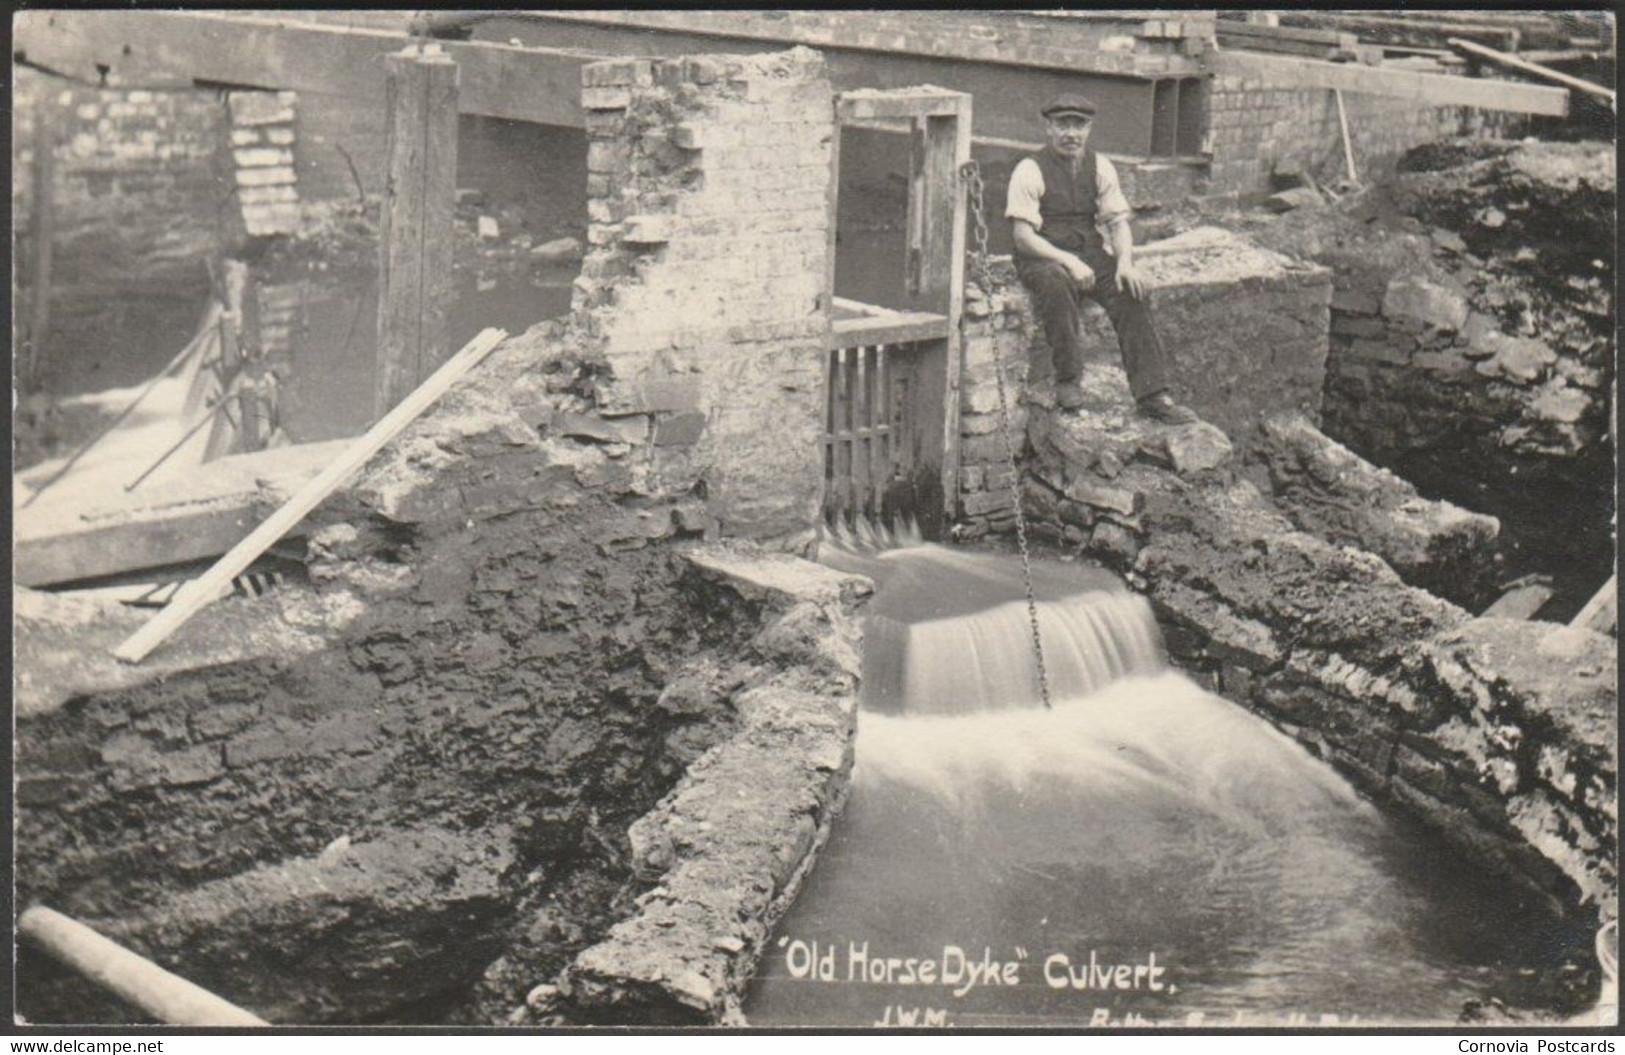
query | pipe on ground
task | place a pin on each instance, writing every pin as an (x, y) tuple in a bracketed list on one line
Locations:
[(134, 978)]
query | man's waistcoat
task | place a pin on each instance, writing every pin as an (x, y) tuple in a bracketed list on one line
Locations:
[(1071, 201)]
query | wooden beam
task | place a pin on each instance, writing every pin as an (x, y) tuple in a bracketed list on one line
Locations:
[(900, 327), (1034, 40), (1434, 89), (197, 593), (1410, 29), (416, 231), (1522, 599), (140, 48), (1601, 613), (877, 105), (1513, 62), (167, 997)]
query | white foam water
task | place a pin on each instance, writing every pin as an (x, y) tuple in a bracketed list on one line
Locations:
[(1142, 822)]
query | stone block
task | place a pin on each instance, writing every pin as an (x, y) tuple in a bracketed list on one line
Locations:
[(262, 157), (265, 177), (649, 229), (1434, 306), (1115, 499), (680, 430), (1196, 448), (632, 428), (608, 98), (261, 108)]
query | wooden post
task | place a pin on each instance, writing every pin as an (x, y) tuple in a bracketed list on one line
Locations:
[(947, 147), (41, 237), (167, 997), (1348, 142), (415, 230)]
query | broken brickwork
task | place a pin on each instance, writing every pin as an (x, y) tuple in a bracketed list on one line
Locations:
[(703, 287)]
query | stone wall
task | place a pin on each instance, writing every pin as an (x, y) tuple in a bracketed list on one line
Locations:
[(412, 771), (1247, 328), (1472, 346), (703, 287), (1499, 736)]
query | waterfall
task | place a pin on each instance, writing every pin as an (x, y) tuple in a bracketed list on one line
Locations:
[(1141, 823)]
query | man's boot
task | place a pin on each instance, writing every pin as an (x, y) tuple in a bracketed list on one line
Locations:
[(1068, 395), (1161, 407)]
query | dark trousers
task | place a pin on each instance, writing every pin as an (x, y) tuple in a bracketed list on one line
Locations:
[(1057, 299)]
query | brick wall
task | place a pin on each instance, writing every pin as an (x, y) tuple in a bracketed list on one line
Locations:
[(136, 189), (1252, 126), (263, 138), (703, 288)]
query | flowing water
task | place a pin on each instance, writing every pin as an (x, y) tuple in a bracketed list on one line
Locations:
[(1143, 853)]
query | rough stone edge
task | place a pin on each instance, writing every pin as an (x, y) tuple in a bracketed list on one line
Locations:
[(688, 952)]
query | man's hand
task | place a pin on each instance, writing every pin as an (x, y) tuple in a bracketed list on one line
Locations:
[(1081, 273), (1131, 281)]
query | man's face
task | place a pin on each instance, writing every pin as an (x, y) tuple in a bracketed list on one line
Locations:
[(1069, 133)]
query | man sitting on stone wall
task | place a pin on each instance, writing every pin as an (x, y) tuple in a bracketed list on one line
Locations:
[(1060, 201)]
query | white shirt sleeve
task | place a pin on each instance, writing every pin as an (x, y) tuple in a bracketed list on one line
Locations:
[(1111, 204), (1026, 191)]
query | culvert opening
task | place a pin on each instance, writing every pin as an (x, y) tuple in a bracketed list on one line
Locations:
[(1145, 853)]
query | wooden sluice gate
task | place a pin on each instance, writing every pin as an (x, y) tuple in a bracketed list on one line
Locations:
[(892, 378)]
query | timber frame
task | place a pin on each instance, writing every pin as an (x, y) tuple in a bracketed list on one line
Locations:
[(892, 380)]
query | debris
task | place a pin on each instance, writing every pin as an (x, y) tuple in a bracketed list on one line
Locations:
[(488, 228), (1295, 198), (558, 251)]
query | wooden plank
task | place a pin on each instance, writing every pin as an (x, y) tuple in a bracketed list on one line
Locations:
[(874, 400), (889, 444), (1410, 29), (850, 389), (201, 591), (839, 422), (1333, 38), (1348, 142), (857, 308), (914, 226), (1521, 601), (1601, 613), (875, 105), (1436, 89), (1533, 69), (951, 150), (140, 48), (168, 997), (832, 360), (416, 232), (904, 327)]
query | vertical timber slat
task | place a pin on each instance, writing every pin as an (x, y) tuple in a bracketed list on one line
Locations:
[(949, 148), (862, 433), (416, 224)]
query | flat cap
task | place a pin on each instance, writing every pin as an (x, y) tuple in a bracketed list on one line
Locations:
[(1069, 103)]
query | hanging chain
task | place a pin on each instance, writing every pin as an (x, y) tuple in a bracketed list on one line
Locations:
[(981, 271)]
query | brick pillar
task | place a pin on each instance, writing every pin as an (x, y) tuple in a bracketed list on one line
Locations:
[(705, 282)]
